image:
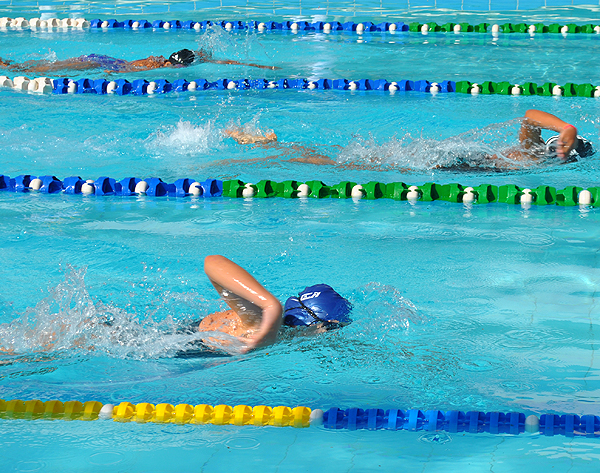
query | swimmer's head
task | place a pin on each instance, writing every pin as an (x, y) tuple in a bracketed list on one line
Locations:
[(318, 304), (583, 149), (182, 58)]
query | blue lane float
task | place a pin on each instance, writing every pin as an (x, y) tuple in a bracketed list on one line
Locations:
[(513, 423), (350, 26), (162, 86), (106, 186)]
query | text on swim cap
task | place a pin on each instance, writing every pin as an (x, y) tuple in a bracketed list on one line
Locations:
[(309, 295)]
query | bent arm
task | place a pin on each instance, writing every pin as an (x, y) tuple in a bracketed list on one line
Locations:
[(256, 307), (243, 138), (536, 120)]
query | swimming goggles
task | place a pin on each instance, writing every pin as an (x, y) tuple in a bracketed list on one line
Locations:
[(327, 324)]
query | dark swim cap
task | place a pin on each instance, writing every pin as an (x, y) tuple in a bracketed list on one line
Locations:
[(184, 57), (583, 149), (317, 304)]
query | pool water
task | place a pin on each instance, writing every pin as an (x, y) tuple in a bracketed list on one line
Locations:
[(456, 307), (515, 57)]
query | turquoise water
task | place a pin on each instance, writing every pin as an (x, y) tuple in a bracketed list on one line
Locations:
[(466, 307), (396, 138), (516, 58)]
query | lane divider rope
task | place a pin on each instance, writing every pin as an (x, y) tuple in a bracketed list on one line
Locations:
[(428, 192), (513, 423), (161, 86), (299, 26)]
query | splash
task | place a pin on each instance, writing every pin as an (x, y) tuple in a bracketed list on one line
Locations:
[(71, 323), (185, 138), (386, 310), (216, 41), (251, 128), (478, 149)]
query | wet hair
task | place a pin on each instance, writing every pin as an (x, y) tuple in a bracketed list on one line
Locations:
[(184, 57)]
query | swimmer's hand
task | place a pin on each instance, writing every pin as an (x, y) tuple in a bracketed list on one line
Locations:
[(267, 331), (244, 138), (567, 140)]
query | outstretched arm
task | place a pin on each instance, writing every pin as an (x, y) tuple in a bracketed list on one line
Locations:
[(236, 63), (536, 120), (256, 307)]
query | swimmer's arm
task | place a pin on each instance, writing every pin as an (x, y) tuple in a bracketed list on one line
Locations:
[(536, 120), (244, 138), (236, 63), (226, 276)]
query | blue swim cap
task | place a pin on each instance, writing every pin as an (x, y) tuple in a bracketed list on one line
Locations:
[(317, 304)]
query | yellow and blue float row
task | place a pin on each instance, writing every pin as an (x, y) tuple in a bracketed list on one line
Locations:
[(161, 86), (512, 423), (430, 191), (300, 26)]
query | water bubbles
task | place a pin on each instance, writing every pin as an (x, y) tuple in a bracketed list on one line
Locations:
[(435, 437)]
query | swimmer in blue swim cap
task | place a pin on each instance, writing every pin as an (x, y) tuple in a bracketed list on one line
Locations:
[(255, 315)]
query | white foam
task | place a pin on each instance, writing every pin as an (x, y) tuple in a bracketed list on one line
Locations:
[(69, 320), (474, 148), (186, 138), (223, 342)]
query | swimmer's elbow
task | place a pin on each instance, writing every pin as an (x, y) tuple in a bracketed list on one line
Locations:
[(213, 261)]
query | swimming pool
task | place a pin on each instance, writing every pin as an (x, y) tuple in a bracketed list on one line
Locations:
[(457, 307)]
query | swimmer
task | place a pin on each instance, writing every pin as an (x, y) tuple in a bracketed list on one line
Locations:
[(565, 147), (255, 315), (182, 58)]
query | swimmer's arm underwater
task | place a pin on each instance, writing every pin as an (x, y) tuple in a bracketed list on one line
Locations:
[(236, 63), (256, 307)]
